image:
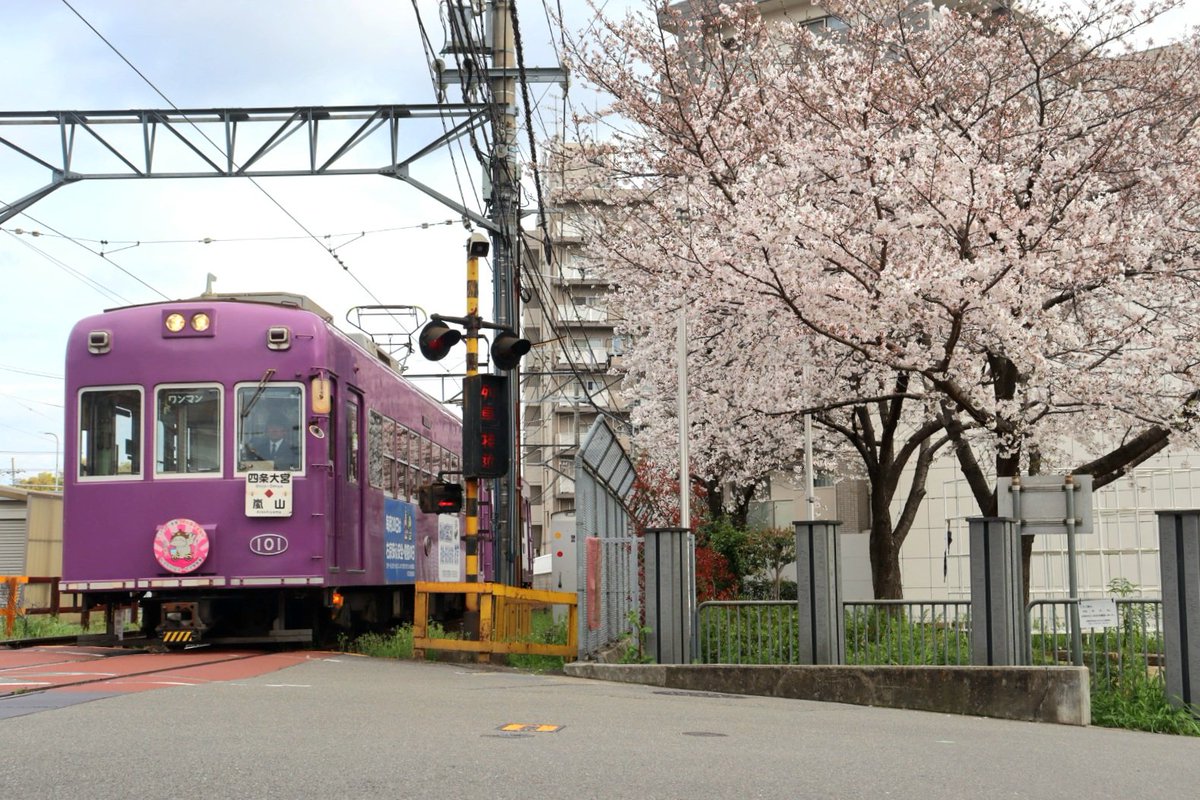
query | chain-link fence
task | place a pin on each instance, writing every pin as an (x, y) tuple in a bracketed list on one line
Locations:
[(607, 555)]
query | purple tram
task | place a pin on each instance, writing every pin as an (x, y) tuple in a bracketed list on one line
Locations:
[(247, 472)]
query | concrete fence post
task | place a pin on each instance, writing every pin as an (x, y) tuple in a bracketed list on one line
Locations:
[(997, 594), (1179, 559), (670, 594), (822, 625)]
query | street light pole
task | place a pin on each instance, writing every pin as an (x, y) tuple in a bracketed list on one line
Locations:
[(56, 451)]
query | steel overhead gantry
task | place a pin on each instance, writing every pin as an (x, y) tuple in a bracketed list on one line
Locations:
[(213, 138)]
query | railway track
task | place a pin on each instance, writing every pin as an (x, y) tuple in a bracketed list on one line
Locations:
[(41, 641), (57, 667)]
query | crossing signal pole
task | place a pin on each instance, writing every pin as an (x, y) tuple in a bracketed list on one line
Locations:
[(503, 173), (486, 421)]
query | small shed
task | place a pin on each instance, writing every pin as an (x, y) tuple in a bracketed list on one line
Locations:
[(31, 537)]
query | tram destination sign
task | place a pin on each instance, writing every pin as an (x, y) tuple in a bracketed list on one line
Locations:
[(269, 494)]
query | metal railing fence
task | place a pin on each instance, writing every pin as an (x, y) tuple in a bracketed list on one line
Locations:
[(747, 632), (879, 632), (1135, 645), (933, 632)]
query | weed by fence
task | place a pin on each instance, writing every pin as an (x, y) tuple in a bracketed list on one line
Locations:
[(908, 632), (748, 632)]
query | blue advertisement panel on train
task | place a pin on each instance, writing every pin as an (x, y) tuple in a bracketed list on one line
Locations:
[(399, 541)]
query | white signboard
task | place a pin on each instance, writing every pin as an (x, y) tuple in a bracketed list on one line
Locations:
[(1041, 503), (450, 566), (1098, 614), (269, 494)]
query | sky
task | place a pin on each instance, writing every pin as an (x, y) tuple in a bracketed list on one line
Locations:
[(229, 54), (213, 54)]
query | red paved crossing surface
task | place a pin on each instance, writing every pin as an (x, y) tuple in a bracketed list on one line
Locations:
[(91, 669)]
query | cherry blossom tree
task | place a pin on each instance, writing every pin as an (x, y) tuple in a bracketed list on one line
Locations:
[(930, 225)]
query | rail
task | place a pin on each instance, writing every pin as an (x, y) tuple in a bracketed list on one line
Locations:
[(505, 620)]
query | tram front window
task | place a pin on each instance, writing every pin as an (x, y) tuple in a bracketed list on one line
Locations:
[(188, 435), (269, 427), (110, 432)]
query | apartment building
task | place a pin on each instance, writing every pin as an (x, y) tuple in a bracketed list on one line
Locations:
[(571, 376)]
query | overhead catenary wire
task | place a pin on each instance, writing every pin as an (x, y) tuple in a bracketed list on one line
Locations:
[(74, 273), (235, 239), (255, 183)]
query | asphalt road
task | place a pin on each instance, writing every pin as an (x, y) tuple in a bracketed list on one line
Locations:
[(351, 727)]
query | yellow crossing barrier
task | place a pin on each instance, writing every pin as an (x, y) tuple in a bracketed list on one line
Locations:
[(505, 620)]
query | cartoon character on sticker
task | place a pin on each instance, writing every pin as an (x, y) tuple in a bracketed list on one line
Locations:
[(181, 545)]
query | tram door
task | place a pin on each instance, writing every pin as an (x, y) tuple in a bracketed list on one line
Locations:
[(348, 541)]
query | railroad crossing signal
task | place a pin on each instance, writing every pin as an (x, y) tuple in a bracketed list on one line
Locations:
[(436, 340), (485, 426), (507, 349), (440, 497)]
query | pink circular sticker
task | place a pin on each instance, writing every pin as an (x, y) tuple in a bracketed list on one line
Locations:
[(181, 545)]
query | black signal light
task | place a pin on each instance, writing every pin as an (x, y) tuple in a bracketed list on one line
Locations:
[(507, 349), (440, 497), (436, 340)]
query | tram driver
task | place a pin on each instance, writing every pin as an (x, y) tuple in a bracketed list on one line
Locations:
[(277, 446)]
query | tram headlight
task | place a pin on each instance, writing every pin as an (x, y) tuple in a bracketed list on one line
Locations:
[(200, 322), (174, 322)]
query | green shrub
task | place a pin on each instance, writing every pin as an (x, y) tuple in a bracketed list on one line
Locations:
[(1138, 701), (545, 631)]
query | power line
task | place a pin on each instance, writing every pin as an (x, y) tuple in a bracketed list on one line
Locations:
[(235, 239), (74, 273), (255, 183), (93, 252), (30, 372)]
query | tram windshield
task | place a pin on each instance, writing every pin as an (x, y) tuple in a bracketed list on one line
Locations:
[(188, 436), (269, 427), (110, 432)]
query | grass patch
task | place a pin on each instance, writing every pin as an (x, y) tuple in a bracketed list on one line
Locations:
[(1138, 702), (545, 631), (39, 626), (397, 643)]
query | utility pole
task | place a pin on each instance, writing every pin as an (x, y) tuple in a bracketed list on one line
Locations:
[(504, 177), (505, 173), (12, 472)]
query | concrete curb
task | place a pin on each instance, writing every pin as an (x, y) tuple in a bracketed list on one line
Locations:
[(1035, 694)]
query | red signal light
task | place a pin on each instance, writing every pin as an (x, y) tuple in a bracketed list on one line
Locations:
[(436, 339), (440, 497)]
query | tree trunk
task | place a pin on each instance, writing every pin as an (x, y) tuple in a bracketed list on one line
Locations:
[(886, 580)]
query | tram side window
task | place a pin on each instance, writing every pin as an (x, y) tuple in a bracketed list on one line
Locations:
[(110, 432), (375, 449), (269, 428), (389, 457), (351, 442), (188, 433)]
